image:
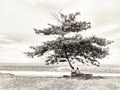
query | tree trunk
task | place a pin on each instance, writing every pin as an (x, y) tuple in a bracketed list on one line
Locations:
[(67, 57), (69, 63)]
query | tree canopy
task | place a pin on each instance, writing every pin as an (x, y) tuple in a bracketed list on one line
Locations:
[(84, 50)]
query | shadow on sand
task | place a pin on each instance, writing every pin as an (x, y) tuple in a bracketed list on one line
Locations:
[(84, 77)]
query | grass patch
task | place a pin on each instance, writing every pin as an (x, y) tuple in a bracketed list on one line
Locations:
[(11, 82), (32, 83)]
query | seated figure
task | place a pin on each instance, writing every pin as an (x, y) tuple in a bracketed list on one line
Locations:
[(73, 71), (77, 71)]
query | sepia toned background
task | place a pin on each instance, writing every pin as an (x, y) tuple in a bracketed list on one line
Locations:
[(19, 17)]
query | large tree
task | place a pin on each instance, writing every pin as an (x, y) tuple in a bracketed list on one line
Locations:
[(77, 47)]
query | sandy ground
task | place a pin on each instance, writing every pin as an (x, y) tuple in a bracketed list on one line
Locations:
[(9, 82)]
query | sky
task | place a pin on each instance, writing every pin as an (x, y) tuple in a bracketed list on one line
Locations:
[(19, 17)]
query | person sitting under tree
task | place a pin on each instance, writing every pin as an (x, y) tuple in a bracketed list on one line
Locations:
[(77, 71), (73, 72)]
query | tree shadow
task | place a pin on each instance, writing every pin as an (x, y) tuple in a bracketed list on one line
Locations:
[(84, 77)]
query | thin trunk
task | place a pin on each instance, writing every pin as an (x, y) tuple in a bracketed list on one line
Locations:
[(69, 63), (67, 58)]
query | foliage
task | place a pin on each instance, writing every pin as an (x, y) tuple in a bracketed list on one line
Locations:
[(84, 50)]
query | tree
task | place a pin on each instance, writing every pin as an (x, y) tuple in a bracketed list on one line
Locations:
[(84, 50)]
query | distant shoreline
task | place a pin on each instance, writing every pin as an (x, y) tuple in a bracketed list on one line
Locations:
[(40, 63)]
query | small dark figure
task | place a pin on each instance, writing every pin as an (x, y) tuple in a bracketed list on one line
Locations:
[(73, 72), (77, 71)]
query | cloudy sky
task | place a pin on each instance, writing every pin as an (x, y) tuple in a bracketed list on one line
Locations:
[(19, 17)]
